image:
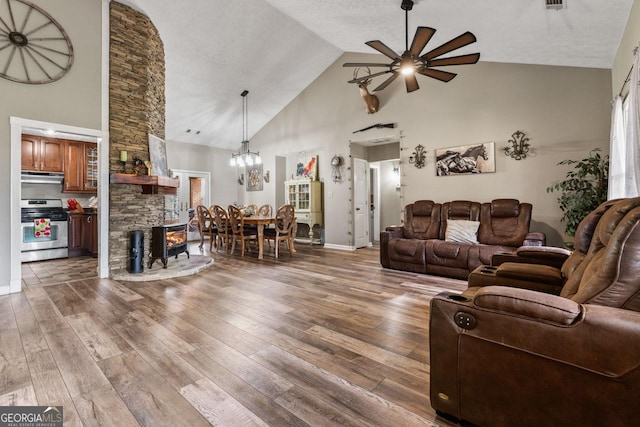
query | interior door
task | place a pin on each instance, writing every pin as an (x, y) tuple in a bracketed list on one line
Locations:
[(194, 190), (361, 202)]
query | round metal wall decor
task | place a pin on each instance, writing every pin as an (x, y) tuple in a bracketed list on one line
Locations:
[(34, 48)]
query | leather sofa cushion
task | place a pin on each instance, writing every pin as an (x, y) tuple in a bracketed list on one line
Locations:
[(422, 220), (505, 208), (423, 207), (406, 247), (447, 254), (407, 251)]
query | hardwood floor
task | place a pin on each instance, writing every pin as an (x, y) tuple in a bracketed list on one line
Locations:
[(320, 338)]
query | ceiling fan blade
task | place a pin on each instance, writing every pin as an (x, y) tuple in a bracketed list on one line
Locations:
[(472, 58), (420, 40), (444, 76), (383, 49), (453, 44), (363, 64), (359, 79), (387, 82), (411, 82)]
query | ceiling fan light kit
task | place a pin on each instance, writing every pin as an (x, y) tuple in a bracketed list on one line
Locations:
[(411, 62)]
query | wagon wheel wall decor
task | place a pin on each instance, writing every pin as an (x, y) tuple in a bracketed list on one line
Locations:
[(34, 48)]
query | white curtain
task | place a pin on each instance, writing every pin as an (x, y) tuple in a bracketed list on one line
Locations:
[(624, 170), (617, 152), (632, 136)]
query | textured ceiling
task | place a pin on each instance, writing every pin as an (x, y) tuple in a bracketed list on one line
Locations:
[(275, 48)]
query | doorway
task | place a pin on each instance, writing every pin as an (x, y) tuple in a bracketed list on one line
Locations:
[(18, 125), (381, 189), (193, 191)]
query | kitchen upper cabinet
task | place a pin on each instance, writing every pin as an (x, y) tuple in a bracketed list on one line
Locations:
[(81, 167), (40, 154)]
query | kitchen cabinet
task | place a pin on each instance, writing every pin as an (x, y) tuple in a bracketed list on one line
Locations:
[(41, 154), (306, 197), (83, 234), (81, 167)]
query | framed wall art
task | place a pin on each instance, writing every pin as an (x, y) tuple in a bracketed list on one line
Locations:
[(466, 159), (254, 177), (307, 168), (158, 156)]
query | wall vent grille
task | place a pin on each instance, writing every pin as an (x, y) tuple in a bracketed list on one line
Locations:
[(555, 4)]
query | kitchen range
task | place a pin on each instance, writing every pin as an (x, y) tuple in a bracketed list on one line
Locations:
[(44, 230)]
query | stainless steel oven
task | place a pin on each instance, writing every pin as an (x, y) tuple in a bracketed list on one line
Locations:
[(38, 215)]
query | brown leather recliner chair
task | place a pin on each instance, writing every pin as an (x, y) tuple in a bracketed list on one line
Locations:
[(504, 356), (540, 268)]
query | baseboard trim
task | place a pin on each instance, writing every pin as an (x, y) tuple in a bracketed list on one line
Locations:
[(339, 247)]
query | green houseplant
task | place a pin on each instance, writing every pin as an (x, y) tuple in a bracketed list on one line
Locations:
[(584, 188)]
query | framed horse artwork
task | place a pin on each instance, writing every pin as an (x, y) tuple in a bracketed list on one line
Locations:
[(466, 159)]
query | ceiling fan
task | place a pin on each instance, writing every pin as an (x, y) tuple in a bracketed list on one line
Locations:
[(411, 62)]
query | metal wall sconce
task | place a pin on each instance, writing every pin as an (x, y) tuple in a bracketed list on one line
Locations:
[(241, 179), (267, 177), (418, 157), (519, 146)]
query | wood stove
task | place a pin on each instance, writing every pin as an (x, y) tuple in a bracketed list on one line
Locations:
[(168, 240)]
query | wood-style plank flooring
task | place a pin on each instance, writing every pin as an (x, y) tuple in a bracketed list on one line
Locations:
[(320, 338)]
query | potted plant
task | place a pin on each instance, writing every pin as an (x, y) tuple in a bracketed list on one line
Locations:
[(584, 188)]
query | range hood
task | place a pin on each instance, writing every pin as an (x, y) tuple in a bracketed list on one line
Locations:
[(42, 177)]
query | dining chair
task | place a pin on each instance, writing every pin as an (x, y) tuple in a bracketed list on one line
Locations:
[(239, 231), (205, 225), (223, 227), (265, 210), (285, 220)]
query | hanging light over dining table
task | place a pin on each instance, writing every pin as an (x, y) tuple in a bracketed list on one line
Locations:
[(244, 156)]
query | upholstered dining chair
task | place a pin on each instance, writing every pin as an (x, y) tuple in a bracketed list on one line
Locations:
[(223, 227), (239, 231), (285, 220), (265, 210), (206, 225)]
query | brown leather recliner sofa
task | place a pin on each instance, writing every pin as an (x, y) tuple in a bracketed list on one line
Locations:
[(510, 355), (421, 244)]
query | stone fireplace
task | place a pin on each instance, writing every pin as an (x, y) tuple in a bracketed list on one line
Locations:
[(137, 109)]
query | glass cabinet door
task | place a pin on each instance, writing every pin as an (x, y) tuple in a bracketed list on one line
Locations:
[(303, 196), (91, 167)]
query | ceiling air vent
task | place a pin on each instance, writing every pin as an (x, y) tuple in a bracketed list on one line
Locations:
[(555, 4)]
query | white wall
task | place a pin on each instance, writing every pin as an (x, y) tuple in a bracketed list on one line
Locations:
[(193, 157), (73, 100), (563, 110)]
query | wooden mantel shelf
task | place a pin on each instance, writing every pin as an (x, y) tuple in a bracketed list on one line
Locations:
[(149, 183)]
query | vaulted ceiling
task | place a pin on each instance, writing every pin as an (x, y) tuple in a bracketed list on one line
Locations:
[(215, 49)]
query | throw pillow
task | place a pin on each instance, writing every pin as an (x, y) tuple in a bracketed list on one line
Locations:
[(462, 231)]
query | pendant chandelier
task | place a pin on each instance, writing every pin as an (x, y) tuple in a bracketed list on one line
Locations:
[(244, 157)]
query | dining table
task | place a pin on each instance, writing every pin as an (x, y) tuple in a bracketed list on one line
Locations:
[(261, 222)]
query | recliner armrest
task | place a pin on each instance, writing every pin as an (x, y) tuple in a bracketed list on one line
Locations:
[(394, 231), (545, 255), (530, 304), (535, 238)]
